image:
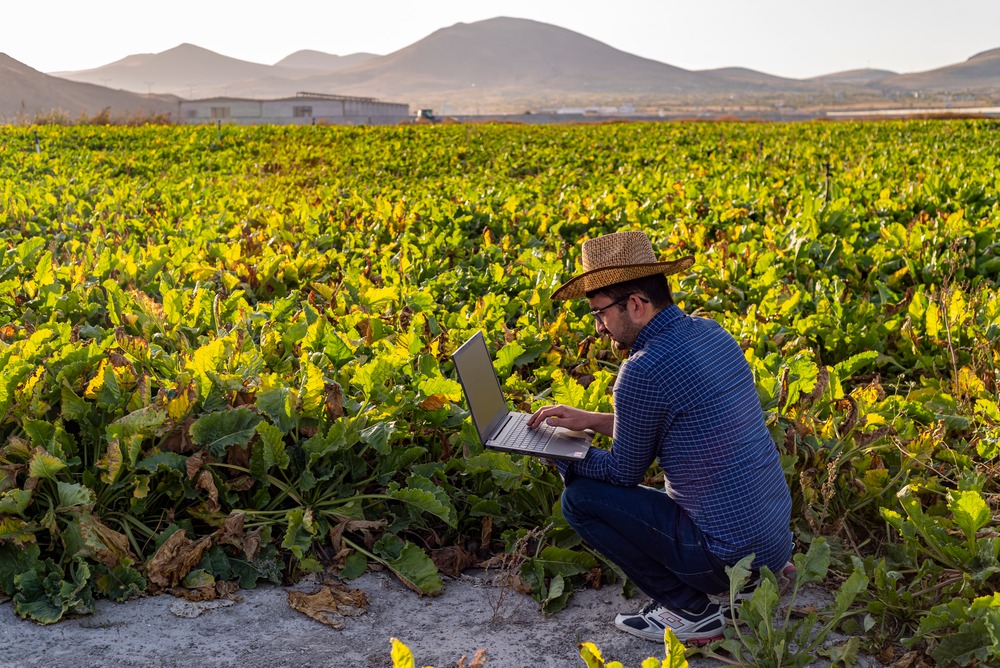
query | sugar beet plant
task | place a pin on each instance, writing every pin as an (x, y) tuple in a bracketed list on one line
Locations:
[(225, 355)]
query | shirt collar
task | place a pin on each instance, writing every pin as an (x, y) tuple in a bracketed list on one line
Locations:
[(657, 324)]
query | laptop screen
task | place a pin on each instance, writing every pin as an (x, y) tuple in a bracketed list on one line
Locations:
[(482, 388)]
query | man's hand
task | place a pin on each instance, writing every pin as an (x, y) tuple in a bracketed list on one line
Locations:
[(574, 419)]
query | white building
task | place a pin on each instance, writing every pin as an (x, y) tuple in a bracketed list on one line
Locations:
[(303, 109)]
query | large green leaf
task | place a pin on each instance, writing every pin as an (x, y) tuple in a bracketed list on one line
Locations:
[(970, 510), (410, 564), (268, 451), (220, 430), (44, 597), (14, 560), (425, 495), (44, 465)]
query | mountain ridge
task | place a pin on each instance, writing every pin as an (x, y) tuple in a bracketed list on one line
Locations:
[(507, 64)]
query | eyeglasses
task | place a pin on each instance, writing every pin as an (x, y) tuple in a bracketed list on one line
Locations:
[(597, 311)]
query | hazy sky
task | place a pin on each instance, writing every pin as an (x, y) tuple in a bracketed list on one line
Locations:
[(794, 38)]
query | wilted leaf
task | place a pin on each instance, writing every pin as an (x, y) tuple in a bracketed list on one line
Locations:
[(452, 560), (175, 559), (330, 604), (206, 482)]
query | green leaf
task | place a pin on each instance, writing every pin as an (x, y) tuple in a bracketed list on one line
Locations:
[(46, 597), (74, 495), (14, 560), (14, 501), (812, 566), (566, 390), (844, 654), (301, 531), (855, 584), (44, 465), (222, 429), (72, 406), (378, 436), (970, 511), (425, 495), (506, 357), (278, 403), (558, 595), (676, 653), (855, 363), (354, 566), (410, 564), (312, 395), (567, 563), (119, 583), (162, 461), (268, 451), (266, 565)]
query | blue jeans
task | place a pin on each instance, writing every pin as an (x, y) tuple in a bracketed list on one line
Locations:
[(649, 537)]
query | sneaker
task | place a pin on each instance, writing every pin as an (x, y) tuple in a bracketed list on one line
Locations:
[(697, 629)]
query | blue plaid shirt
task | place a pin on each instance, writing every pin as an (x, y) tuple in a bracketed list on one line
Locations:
[(686, 396)]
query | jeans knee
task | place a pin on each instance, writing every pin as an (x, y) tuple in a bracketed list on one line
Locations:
[(574, 500)]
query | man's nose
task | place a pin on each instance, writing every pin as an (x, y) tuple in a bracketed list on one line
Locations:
[(601, 329)]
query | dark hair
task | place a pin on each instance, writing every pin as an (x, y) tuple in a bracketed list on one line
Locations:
[(656, 288)]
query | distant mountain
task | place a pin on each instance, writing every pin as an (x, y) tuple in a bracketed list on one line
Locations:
[(863, 76), (505, 65), (183, 70), (326, 62), (26, 93), (506, 53), (981, 71)]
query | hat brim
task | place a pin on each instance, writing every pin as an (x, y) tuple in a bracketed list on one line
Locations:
[(579, 286)]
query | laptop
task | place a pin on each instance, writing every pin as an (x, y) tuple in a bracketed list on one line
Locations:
[(499, 428)]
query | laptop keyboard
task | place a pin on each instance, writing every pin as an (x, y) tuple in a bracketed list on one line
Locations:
[(530, 439)]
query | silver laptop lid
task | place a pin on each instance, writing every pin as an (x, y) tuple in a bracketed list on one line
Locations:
[(481, 385)]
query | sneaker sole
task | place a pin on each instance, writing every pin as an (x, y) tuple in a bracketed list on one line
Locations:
[(692, 642)]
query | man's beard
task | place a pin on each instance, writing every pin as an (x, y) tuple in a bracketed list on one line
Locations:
[(626, 339)]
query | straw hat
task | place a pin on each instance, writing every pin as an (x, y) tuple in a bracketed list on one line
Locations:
[(616, 258)]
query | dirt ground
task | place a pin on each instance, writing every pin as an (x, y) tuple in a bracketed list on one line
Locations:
[(261, 630)]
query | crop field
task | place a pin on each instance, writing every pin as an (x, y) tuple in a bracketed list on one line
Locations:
[(225, 351)]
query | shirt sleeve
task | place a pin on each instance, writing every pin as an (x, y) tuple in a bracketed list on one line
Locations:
[(641, 417)]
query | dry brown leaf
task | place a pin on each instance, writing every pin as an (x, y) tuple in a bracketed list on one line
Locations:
[(207, 482), (103, 543), (194, 463), (486, 533), (228, 589), (478, 661), (912, 659), (239, 456), (434, 402), (452, 560), (175, 559), (595, 578), (242, 483), (886, 654), (334, 401), (330, 604), (196, 594), (251, 544), (348, 524), (231, 531)]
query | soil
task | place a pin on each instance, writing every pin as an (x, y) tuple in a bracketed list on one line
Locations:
[(261, 630)]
